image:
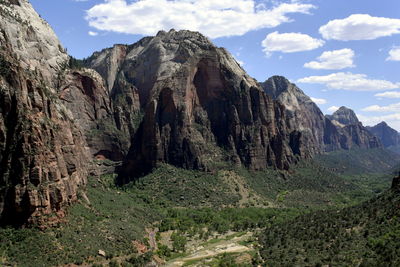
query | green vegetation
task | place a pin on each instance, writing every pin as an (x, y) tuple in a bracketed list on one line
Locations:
[(74, 63), (110, 222), (193, 208), (194, 221), (356, 161), (364, 235)]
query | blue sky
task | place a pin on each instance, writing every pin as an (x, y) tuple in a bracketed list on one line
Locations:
[(340, 52)]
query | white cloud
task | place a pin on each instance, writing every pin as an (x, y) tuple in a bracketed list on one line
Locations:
[(388, 95), (392, 119), (389, 108), (394, 54), (333, 109), (319, 101), (351, 82), (360, 27), (289, 42), (333, 60), (212, 18), (91, 33)]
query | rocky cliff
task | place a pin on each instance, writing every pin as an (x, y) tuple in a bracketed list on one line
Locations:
[(343, 116), (43, 160), (388, 136), (351, 131), (318, 133), (198, 105), (302, 114)]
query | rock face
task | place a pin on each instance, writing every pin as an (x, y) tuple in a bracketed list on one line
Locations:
[(43, 160), (343, 116), (84, 94), (388, 136), (351, 131), (302, 114), (318, 133), (197, 101)]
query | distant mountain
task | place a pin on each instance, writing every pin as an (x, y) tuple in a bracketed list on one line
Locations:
[(318, 133), (344, 116), (388, 136)]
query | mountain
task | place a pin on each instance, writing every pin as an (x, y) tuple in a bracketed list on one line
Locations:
[(43, 160), (172, 98), (388, 136), (302, 114), (318, 133), (344, 116), (197, 102), (352, 132)]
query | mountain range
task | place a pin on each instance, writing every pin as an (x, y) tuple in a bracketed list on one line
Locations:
[(172, 98)]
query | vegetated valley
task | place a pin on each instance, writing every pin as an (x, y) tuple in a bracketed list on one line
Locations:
[(166, 153)]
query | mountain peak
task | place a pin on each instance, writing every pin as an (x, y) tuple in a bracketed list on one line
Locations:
[(389, 136), (276, 85), (344, 116)]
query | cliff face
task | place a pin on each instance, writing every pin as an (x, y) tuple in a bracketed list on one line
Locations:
[(351, 131), (388, 136), (302, 114), (196, 100), (42, 153), (341, 130)]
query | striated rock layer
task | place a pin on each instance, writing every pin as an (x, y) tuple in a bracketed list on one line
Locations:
[(318, 133), (195, 99), (43, 159)]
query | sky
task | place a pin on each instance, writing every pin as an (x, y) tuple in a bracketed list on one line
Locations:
[(339, 52)]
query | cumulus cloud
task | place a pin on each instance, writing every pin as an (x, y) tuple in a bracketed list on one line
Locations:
[(319, 101), (360, 27), (333, 109), (212, 18), (389, 108), (388, 95), (91, 33), (289, 42), (333, 60), (392, 119), (351, 82), (394, 54)]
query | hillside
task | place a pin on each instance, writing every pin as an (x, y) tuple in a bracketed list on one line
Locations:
[(364, 235)]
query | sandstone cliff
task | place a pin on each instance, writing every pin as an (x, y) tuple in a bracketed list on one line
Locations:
[(318, 133), (43, 160), (302, 114), (197, 102), (351, 131)]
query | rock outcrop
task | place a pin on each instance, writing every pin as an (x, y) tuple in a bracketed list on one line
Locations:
[(43, 160), (302, 114), (318, 133), (85, 95), (197, 101), (388, 136), (351, 131), (343, 116)]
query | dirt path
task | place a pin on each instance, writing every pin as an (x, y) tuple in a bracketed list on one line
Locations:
[(212, 250)]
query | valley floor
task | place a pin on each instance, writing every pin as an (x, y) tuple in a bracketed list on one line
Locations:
[(177, 217)]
